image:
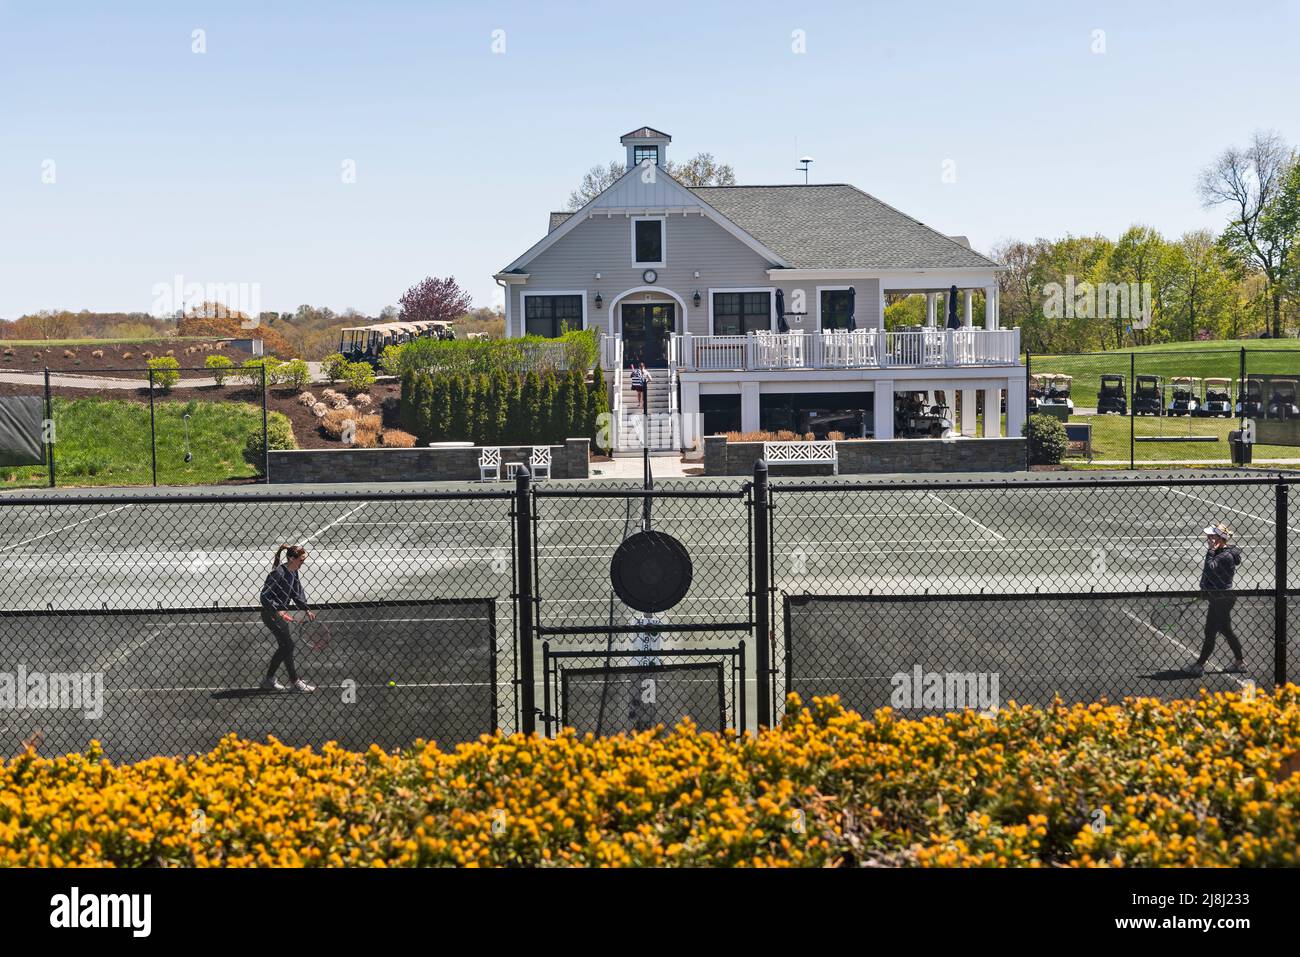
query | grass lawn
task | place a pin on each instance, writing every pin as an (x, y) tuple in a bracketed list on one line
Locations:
[(1199, 359), (106, 442), (1110, 440)]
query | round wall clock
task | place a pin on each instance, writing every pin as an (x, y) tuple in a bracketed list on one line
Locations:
[(649, 275)]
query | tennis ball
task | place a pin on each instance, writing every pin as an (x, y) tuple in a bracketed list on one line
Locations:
[(392, 684)]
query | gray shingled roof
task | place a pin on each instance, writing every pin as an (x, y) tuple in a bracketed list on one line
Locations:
[(836, 226)]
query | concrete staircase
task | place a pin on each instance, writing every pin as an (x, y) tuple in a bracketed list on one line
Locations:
[(657, 429)]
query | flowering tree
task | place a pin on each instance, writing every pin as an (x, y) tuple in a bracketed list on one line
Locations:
[(434, 299)]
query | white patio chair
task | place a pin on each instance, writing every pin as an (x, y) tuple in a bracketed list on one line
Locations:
[(540, 461), (489, 465)]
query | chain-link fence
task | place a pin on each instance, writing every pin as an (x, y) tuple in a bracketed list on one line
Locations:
[(144, 623), (1074, 586), (139, 426)]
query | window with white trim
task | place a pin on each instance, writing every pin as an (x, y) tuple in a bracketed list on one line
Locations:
[(552, 316), (642, 153), (648, 241), (736, 313), (835, 308)]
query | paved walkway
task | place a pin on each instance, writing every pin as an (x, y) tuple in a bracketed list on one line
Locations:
[(662, 466)]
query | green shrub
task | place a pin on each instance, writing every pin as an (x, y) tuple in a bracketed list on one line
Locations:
[(358, 377), (1047, 442), (250, 371), (279, 434), (597, 406), (390, 362), (333, 367), (293, 373), (573, 350), (166, 372), (220, 366)]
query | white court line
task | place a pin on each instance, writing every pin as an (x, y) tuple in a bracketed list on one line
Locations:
[(64, 528), (121, 654), (1174, 641), (957, 511), (336, 521), (1225, 508)]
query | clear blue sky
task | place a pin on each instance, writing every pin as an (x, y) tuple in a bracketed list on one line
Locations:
[(226, 166)]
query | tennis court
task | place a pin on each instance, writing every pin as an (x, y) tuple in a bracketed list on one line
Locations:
[(195, 560)]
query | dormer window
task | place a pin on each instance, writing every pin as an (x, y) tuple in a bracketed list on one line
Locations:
[(642, 153), (649, 241)]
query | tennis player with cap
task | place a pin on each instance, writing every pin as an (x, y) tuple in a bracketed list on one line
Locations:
[(1221, 561)]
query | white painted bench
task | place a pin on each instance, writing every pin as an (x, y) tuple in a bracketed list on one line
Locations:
[(802, 453)]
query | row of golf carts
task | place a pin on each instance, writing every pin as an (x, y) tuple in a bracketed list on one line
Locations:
[(1049, 394)]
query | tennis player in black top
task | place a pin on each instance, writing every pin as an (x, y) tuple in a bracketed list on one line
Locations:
[(282, 589), (1221, 561)]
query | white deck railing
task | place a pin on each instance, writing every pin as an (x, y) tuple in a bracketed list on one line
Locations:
[(862, 349)]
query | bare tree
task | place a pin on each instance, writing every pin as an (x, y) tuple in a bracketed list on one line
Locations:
[(1248, 181), (700, 170), (594, 182)]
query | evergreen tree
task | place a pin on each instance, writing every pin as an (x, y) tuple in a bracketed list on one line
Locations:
[(598, 404), (565, 404), (578, 424), (459, 400), (440, 409), (546, 410), (530, 398)]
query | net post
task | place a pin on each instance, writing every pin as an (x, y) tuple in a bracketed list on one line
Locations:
[(49, 424), (762, 626), (153, 433), (524, 598), (1279, 584)]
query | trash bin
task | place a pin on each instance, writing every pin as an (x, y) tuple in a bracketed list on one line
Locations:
[(1240, 450)]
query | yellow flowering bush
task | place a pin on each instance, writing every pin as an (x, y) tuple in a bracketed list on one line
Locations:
[(1197, 782)]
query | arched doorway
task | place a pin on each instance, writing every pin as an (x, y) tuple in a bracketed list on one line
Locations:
[(646, 318)]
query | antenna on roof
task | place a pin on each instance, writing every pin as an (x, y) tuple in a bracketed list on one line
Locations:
[(806, 161)]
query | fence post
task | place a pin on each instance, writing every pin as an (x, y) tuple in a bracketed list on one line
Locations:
[(1029, 427), (49, 425), (266, 439), (762, 622), (1279, 584), (524, 598), (1132, 415), (153, 433)]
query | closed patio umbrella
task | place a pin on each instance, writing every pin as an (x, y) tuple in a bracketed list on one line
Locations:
[(853, 297), (952, 309), (781, 324)]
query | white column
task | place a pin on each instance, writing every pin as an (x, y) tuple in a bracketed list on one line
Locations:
[(881, 320), (749, 407), (692, 423), (990, 307), (970, 308), (968, 421), (883, 406), (992, 413), (1017, 404), (929, 309)]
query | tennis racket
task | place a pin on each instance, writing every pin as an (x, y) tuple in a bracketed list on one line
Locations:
[(316, 634), (1167, 615)]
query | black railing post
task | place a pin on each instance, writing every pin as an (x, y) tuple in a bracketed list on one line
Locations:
[(1132, 414), (524, 598), (1279, 584), (153, 434), (266, 439), (762, 570), (49, 426)]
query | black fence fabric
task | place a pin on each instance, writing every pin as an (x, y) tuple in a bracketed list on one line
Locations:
[(920, 654), (175, 681), (621, 690), (21, 432)]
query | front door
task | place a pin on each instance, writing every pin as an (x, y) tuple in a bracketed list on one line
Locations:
[(646, 328)]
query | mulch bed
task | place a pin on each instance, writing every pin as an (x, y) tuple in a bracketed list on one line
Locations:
[(36, 358), (306, 427)]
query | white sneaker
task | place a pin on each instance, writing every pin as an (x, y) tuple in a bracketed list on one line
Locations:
[(301, 687), (270, 684)]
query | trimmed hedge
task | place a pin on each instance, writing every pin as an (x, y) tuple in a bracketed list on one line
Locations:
[(501, 408), (571, 351)]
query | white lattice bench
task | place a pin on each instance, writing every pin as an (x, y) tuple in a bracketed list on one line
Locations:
[(802, 453)]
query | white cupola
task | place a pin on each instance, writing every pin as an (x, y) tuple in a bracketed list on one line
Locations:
[(644, 144)]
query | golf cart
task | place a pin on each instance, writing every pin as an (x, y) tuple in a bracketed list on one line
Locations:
[(1147, 395), (1251, 402), (1111, 396), (1183, 399), (913, 421), (1282, 403), (1056, 399), (1216, 398), (1035, 393)]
